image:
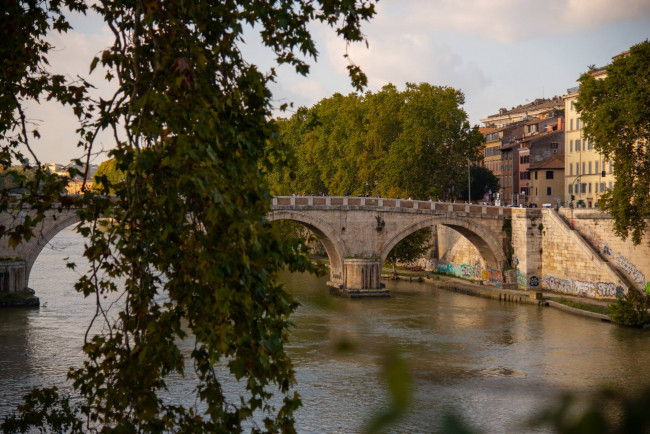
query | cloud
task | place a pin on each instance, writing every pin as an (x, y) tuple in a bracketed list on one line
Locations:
[(404, 54), (507, 21), (71, 56)]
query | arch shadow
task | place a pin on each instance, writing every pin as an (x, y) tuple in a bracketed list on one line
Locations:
[(334, 248), (45, 237), (487, 244)]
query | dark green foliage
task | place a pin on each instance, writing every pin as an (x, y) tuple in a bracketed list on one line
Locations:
[(616, 115), (397, 144), (482, 180), (631, 310), (191, 248), (108, 177), (411, 247)]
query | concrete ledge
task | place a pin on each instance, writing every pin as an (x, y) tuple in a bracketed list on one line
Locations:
[(361, 293), (576, 311)]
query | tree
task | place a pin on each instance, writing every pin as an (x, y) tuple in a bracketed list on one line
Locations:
[(410, 248), (108, 176), (412, 143), (482, 180), (616, 117), (191, 243)]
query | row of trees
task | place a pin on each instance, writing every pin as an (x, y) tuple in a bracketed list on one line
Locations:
[(415, 142)]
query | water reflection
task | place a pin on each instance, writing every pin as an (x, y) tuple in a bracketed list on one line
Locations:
[(495, 362)]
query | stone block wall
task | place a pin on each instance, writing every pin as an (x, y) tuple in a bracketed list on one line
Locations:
[(571, 265), (630, 260)]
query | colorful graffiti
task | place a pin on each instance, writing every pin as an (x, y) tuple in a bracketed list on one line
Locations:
[(521, 279), (630, 269), (466, 271), (533, 282), (492, 275)]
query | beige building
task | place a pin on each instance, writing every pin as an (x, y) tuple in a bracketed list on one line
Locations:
[(587, 175), (546, 182)]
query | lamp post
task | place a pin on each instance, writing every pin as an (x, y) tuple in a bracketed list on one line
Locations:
[(469, 185)]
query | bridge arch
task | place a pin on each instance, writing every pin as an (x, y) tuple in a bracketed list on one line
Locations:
[(485, 242), (335, 249), (33, 249)]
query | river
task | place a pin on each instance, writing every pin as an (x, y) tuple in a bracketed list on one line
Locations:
[(496, 363)]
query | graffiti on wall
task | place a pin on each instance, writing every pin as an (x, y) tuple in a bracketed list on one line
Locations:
[(556, 284), (521, 279), (630, 269), (466, 271), (533, 282), (595, 239), (582, 288), (492, 275)]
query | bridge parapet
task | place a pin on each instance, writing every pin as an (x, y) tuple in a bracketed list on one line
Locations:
[(394, 205)]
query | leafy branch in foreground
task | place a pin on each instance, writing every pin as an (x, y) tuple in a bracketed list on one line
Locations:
[(191, 253)]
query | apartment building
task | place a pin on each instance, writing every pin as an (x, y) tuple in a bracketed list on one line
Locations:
[(587, 175), (525, 134)]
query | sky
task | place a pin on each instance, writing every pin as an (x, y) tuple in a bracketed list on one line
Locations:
[(500, 53)]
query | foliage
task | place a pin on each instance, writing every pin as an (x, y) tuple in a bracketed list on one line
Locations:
[(411, 247), (482, 180), (616, 116), (596, 308), (191, 250), (606, 411), (631, 309), (397, 144), (107, 177)]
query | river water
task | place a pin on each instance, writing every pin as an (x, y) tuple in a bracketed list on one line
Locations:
[(495, 363)]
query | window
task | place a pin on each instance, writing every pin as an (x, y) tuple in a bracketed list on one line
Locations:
[(571, 105), (577, 123), (589, 168), (589, 185), (570, 168), (577, 145), (590, 146), (610, 171), (583, 168), (610, 185), (548, 191), (570, 145), (571, 125), (570, 188), (602, 187), (583, 188), (596, 163), (549, 174), (535, 175)]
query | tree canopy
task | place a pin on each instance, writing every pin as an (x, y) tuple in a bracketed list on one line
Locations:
[(411, 143), (191, 251), (616, 117)]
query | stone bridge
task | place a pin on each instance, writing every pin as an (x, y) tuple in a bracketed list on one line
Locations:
[(358, 233)]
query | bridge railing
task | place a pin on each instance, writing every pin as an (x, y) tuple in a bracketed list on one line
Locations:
[(378, 202)]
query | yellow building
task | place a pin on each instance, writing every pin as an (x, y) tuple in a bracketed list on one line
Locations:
[(587, 175)]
